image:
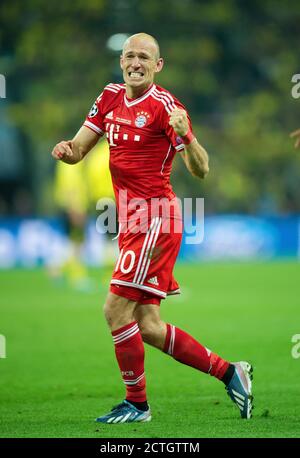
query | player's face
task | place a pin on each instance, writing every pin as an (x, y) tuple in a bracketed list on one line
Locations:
[(139, 63)]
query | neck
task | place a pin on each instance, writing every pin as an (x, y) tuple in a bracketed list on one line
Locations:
[(136, 92)]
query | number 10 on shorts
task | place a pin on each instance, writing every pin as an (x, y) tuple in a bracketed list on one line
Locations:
[(125, 259)]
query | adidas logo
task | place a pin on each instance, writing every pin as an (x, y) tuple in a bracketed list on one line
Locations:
[(109, 115), (153, 281)]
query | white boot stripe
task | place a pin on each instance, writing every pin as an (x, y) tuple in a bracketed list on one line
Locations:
[(238, 395), (116, 420), (125, 418), (239, 402)]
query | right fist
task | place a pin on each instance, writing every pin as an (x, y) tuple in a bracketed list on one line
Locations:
[(63, 150)]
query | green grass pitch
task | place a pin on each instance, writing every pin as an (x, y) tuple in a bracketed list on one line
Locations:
[(60, 372)]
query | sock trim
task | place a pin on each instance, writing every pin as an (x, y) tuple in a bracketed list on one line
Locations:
[(135, 381), (127, 334), (172, 341)]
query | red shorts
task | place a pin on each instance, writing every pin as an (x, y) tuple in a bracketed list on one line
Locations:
[(144, 269)]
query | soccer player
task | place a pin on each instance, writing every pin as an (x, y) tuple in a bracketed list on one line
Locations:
[(146, 126), (296, 134)]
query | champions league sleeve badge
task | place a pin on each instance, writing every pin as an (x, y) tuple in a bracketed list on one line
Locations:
[(93, 111)]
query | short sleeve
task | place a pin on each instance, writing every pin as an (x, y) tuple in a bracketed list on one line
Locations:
[(174, 138), (94, 119)]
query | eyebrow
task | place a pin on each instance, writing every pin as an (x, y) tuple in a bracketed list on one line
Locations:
[(141, 53)]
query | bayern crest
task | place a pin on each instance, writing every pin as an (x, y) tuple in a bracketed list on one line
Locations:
[(141, 119)]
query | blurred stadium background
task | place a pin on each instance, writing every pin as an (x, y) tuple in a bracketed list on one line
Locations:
[(231, 63)]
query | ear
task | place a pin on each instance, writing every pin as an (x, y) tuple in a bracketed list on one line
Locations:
[(159, 65), (121, 61)]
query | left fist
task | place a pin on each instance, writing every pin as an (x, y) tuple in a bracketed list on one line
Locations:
[(179, 122)]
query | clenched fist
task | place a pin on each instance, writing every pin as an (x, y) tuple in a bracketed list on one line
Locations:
[(179, 122), (63, 151)]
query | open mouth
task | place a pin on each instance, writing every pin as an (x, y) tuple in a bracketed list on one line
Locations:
[(135, 74)]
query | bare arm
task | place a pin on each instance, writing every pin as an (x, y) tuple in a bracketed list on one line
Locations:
[(73, 151), (196, 159), (194, 155)]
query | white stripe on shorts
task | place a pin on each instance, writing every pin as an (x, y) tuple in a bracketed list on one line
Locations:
[(150, 246), (150, 234)]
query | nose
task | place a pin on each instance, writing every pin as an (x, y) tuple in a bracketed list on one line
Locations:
[(136, 62)]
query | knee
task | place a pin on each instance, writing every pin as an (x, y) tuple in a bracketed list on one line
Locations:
[(118, 311), (114, 315), (146, 331), (153, 332), (108, 312)]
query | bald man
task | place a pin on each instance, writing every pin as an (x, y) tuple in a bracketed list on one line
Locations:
[(146, 126)]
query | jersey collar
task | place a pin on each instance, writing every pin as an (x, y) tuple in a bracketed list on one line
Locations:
[(131, 102)]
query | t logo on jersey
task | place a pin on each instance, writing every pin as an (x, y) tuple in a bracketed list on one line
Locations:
[(113, 133), (141, 119)]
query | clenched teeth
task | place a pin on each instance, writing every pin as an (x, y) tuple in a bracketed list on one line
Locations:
[(136, 74)]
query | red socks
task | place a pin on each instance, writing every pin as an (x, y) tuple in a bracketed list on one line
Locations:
[(187, 350), (184, 348), (129, 349)]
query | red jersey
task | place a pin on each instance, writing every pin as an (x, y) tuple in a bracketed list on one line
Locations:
[(142, 143)]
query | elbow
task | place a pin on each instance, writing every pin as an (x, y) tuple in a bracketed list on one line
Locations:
[(205, 172), (201, 172)]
